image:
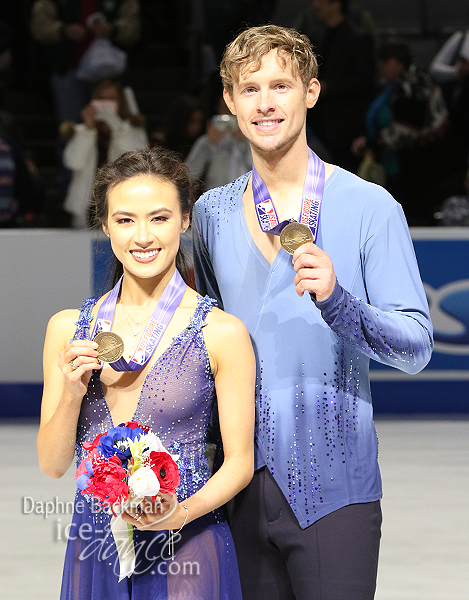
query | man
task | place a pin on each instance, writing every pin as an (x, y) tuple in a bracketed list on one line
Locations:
[(450, 69), (406, 127), (348, 73), (308, 525)]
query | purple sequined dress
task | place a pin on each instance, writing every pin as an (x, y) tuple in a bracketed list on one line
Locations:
[(175, 403)]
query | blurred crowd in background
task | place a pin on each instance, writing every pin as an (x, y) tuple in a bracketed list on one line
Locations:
[(82, 81)]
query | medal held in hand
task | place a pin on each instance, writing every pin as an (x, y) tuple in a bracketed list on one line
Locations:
[(295, 235), (292, 234), (110, 346)]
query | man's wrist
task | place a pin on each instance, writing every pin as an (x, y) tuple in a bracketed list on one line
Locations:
[(331, 299)]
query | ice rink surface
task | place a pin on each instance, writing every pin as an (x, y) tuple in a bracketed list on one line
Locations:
[(425, 544)]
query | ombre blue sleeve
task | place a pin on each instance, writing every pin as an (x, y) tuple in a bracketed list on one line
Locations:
[(393, 324), (205, 279)]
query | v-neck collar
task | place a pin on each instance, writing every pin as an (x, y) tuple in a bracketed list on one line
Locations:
[(244, 224), (250, 240), (176, 340)]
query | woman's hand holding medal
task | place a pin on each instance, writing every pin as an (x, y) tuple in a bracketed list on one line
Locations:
[(314, 271), (77, 362)]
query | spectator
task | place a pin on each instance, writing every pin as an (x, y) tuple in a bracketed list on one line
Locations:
[(5, 53), (452, 61), (106, 133), (307, 22), (21, 187), (8, 202), (405, 127), (347, 73), (183, 124), (67, 31), (450, 68), (223, 153)]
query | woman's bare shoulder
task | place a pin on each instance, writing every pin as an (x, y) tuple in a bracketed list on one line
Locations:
[(223, 326), (60, 330), (64, 317), (228, 342)]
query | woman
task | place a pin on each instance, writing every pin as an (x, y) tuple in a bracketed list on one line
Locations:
[(142, 201), (106, 133)]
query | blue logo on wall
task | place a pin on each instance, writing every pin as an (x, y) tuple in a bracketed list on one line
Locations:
[(449, 311)]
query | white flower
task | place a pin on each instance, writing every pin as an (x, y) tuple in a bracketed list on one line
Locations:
[(153, 443), (144, 482)]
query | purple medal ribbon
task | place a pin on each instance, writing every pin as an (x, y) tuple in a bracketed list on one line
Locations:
[(310, 206), (156, 326)]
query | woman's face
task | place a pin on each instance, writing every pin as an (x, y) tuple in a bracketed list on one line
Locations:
[(112, 93), (144, 224), (108, 93)]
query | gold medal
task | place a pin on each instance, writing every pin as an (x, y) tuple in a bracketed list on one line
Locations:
[(110, 346), (295, 235)]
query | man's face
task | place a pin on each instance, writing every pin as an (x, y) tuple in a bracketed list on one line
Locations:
[(271, 104)]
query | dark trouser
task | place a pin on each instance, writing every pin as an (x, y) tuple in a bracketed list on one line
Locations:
[(336, 558)]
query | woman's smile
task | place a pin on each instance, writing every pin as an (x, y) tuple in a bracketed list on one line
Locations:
[(144, 256)]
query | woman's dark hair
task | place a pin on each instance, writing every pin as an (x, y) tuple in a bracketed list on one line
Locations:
[(156, 162)]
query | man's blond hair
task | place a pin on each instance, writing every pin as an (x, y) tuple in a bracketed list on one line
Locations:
[(244, 54)]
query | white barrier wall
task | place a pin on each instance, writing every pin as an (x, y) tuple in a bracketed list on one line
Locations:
[(42, 271)]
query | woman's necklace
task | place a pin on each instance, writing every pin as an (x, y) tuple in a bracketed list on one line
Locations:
[(162, 315), (137, 323)]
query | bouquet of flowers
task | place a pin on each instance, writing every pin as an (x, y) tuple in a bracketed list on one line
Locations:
[(122, 466)]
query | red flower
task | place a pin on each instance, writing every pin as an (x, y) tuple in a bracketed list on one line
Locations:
[(94, 455), (85, 468), (107, 483), (166, 470), (135, 425), (94, 443)]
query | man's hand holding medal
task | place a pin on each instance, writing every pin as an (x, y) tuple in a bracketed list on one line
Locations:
[(314, 271)]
